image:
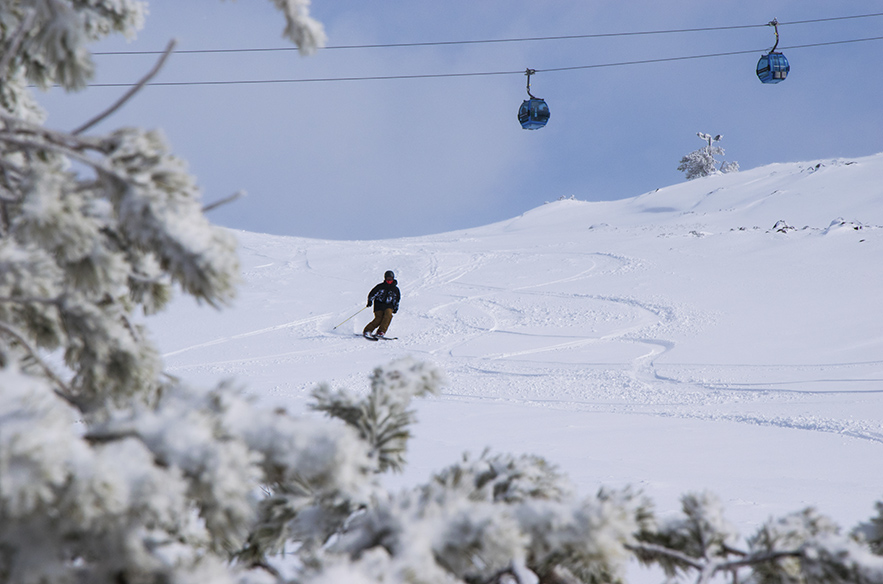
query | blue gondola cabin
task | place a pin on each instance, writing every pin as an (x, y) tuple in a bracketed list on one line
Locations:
[(533, 114), (773, 68)]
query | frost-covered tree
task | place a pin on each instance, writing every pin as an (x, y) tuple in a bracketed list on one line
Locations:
[(109, 471), (702, 162), (113, 473)]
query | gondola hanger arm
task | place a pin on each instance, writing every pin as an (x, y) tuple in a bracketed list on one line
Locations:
[(530, 72), (775, 23)]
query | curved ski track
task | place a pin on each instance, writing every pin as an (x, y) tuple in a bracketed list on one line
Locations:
[(570, 350), (474, 311)]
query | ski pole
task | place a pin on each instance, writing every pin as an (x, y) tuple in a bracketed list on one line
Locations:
[(350, 317)]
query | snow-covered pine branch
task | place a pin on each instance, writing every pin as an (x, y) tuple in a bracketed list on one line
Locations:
[(301, 29), (382, 418), (297, 511)]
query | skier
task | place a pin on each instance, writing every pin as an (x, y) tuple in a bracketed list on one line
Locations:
[(385, 297)]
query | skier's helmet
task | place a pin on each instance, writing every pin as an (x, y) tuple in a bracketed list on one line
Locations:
[(389, 275)]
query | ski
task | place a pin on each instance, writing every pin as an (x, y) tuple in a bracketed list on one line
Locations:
[(385, 338), (369, 337)]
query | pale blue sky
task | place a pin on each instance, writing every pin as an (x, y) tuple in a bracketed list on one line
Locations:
[(380, 159)]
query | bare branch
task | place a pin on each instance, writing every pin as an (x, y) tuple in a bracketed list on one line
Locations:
[(106, 437), (23, 27), (133, 330), (764, 558), (654, 549), (30, 144), (17, 126), (62, 390), (710, 568), (267, 568), (559, 575), (224, 201), (733, 551), (129, 94), (30, 300)]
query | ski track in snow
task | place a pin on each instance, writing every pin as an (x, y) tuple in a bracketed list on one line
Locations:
[(564, 348), (654, 393), (274, 328)]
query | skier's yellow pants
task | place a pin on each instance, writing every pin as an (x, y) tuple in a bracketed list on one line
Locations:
[(381, 321)]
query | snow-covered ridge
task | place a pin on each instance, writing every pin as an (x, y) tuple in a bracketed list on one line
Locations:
[(803, 194)]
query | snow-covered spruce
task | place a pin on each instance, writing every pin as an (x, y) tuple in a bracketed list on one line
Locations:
[(702, 162)]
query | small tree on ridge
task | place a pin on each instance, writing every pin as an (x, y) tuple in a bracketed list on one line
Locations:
[(702, 162)]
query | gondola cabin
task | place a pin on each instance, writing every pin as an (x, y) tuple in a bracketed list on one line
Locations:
[(773, 68), (533, 114)]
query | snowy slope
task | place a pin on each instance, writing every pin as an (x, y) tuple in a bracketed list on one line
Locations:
[(675, 341)]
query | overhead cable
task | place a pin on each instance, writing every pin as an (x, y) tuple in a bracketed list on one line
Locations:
[(490, 41), (475, 74)]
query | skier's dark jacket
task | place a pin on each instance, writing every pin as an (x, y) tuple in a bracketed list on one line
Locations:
[(385, 296)]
